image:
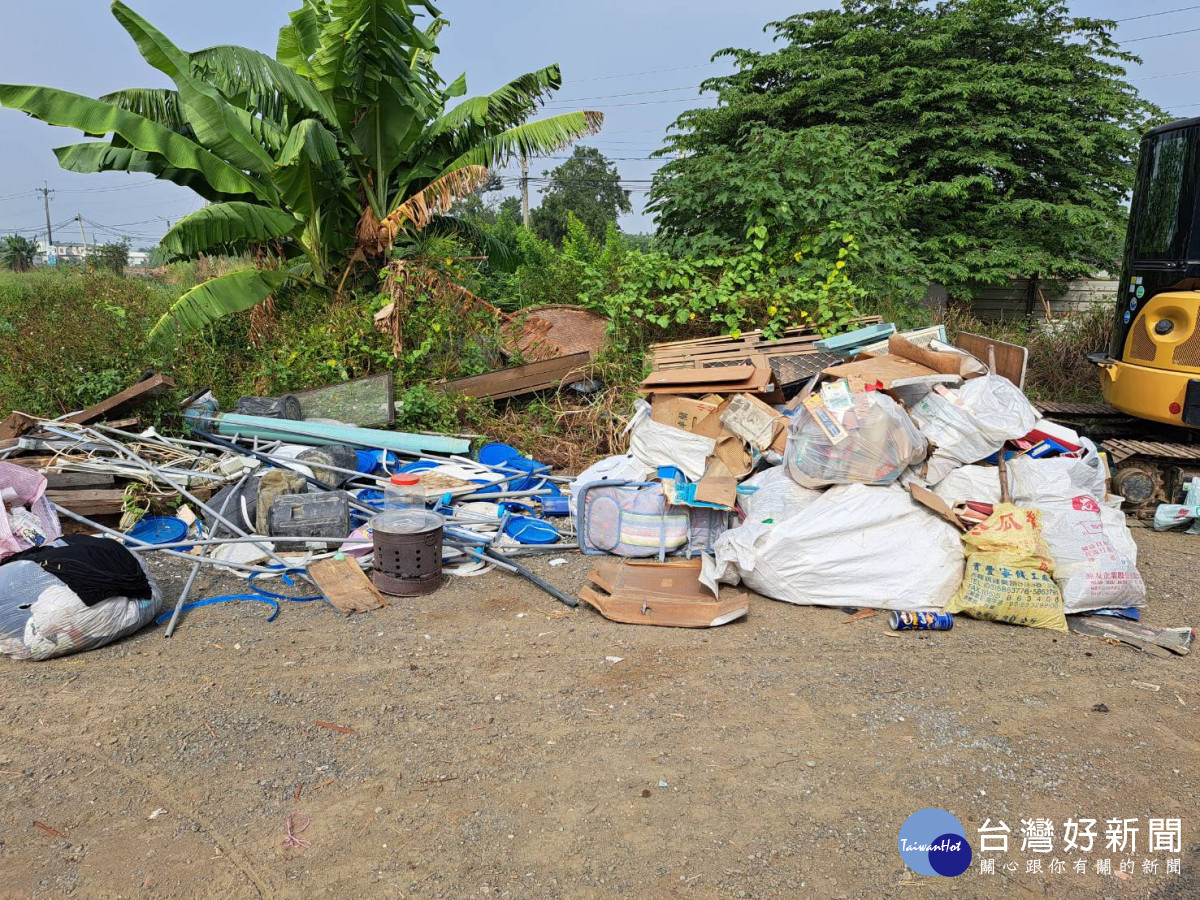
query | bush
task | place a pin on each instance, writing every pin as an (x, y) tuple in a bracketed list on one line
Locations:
[(1058, 368)]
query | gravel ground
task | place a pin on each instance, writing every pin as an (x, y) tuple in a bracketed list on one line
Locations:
[(487, 745)]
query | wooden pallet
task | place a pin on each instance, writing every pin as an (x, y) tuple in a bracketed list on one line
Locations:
[(640, 592), (792, 356)]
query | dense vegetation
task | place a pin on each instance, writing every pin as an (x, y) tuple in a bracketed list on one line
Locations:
[(883, 146), (994, 137)]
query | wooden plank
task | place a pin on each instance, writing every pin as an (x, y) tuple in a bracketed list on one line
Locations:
[(1011, 359), (76, 480), (154, 386), (345, 585), (89, 502), (519, 380)]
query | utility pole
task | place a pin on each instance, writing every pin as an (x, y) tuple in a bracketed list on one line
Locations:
[(79, 219), (46, 192), (524, 191)]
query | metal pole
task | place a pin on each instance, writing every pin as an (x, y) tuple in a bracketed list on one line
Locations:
[(187, 588), (269, 551), (103, 529)]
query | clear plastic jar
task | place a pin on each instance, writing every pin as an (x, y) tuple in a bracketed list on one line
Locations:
[(403, 494)]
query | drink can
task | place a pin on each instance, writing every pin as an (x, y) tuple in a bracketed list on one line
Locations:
[(921, 621)]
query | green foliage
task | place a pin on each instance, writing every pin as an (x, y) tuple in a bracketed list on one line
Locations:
[(732, 291), (421, 407), (112, 257), (328, 153), (17, 253), (586, 186), (1006, 127), (795, 184)]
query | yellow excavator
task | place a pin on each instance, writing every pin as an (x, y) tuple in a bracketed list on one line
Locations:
[(1152, 368)]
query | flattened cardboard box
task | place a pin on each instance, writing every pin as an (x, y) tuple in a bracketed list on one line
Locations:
[(680, 412)]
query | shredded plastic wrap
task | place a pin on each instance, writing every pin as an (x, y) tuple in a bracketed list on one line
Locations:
[(872, 442), (854, 545), (40, 617)]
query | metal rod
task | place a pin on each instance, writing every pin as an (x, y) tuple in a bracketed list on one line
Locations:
[(189, 495), (503, 494), (103, 529), (534, 579), (187, 588)]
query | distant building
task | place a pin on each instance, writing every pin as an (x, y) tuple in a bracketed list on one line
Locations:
[(61, 253), (78, 253)]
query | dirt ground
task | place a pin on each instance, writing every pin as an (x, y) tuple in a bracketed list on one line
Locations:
[(487, 745)]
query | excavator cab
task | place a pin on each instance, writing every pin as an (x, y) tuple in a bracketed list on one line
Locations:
[(1152, 368)]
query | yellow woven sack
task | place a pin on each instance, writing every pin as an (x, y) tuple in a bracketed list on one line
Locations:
[(1010, 575)]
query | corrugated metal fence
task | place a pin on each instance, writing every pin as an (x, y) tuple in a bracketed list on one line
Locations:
[(1014, 301)]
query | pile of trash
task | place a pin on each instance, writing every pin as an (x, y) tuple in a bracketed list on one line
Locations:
[(873, 470), (911, 477)]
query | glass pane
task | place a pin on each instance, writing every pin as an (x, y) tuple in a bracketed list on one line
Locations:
[(1162, 231)]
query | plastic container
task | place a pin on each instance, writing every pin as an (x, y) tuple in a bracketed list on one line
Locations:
[(321, 519), (407, 553), (160, 530), (403, 494)]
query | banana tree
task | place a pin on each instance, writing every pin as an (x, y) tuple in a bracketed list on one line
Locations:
[(324, 155)]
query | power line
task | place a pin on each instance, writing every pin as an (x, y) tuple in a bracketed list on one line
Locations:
[(686, 87), (1150, 37), (647, 72), (654, 102), (1165, 12), (1167, 75)]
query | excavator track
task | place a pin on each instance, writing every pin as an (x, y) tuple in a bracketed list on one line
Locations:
[(1149, 462)]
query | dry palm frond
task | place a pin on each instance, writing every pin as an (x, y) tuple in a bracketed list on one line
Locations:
[(262, 322), (376, 236), (405, 282)]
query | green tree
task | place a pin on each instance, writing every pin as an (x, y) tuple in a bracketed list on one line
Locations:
[(1007, 127), (112, 257), (586, 185), (326, 155), (18, 253)]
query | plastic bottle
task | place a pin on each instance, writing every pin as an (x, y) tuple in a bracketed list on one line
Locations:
[(403, 494)]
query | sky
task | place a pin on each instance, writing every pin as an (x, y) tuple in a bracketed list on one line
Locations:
[(638, 61)]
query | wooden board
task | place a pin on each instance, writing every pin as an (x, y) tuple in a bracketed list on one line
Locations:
[(1147, 638), (723, 350), (654, 593), (152, 387), (75, 480), (345, 585), (519, 380), (16, 425), (1011, 359), (89, 502), (890, 370)]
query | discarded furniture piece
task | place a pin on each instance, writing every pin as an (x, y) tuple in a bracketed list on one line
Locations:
[(655, 593), (1011, 359), (147, 389), (520, 380), (345, 585), (793, 356), (753, 377), (369, 401), (547, 332)]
